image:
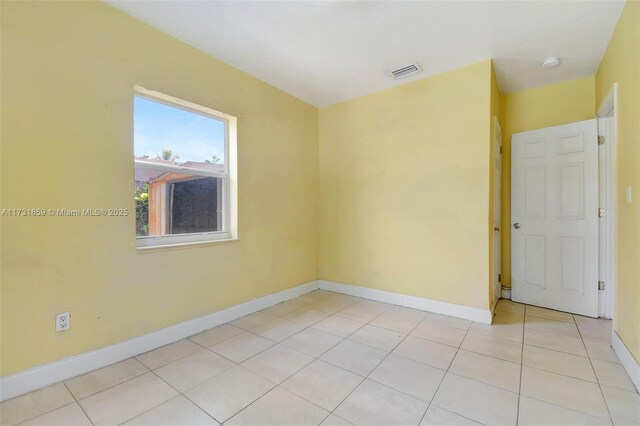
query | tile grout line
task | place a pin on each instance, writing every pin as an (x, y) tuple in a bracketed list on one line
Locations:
[(353, 301), (156, 406), (594, 372), (479, 381), (318, 357), (63, 382), (180, 394), (77, 402), (149, 370), (48, 412), (169, 384), (556, 350), (343, 339), (389, 353), (571, 377), (275, 343), (522, 351), (483, 354), (459, 415), (560, 352), (235, 364), (562, 374), (381, 361), (277, 385), (347, 338), (460, 347), (181, 358), (590, 359), (445, 374), (223, 340), (163, 365), (573, 410), (239, 365), (117, 384), (524, 319)]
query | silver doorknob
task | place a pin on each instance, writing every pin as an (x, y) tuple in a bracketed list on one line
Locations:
[(516, 225)]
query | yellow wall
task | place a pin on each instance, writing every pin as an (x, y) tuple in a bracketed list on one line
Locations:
[(404, 188), (621, 63), (533, 109), (68, 71)]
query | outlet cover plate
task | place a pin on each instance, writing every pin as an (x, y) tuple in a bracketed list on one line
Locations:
[(63, 321)]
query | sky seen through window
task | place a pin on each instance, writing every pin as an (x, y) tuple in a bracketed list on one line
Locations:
[(189, 136)]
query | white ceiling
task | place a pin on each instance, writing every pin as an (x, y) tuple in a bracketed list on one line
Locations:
[(325, 52)]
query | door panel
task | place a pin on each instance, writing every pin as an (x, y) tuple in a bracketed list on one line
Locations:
[(535, 260), (554, 202), (571, 191), (534, 149), (535, 192), (572, 263)]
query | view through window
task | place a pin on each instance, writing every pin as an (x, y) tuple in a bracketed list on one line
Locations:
[(180, 173)]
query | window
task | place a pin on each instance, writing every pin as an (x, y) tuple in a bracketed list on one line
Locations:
[(185, 171)]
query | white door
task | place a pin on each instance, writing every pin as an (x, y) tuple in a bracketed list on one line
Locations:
[(554, 217), (497, 209)]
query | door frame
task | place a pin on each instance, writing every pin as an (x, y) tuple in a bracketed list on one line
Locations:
[(607, 260), (497, 212)]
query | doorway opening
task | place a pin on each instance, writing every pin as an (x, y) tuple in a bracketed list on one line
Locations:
[(563, 215)]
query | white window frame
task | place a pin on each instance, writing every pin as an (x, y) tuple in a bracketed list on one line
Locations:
[(229, 200)]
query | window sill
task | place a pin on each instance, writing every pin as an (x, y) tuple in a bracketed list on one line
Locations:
[(180, 246)]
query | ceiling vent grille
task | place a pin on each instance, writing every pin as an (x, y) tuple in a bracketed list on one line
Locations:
[(406, 71)]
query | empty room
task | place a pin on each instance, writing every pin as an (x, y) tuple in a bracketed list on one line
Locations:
[(288, 213)]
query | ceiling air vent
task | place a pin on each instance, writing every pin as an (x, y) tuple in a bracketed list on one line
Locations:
[(406, 71)]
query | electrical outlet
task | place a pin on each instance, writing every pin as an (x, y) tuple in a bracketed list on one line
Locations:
[(63, 321)]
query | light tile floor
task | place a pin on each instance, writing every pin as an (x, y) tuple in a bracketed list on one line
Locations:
[(331, 359)]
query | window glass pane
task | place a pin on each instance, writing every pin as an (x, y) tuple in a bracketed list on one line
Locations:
[(170, 135), (177, 203)]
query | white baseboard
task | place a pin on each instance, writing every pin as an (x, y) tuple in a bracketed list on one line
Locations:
[(444, 308), (57, 371), (494, 304), (506, 293), (627, 359)]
